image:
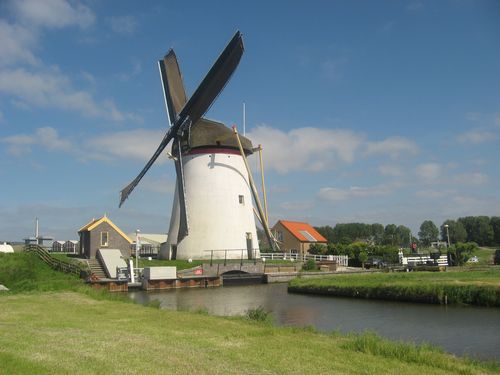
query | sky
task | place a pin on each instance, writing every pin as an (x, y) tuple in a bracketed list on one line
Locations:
[(384, 111)]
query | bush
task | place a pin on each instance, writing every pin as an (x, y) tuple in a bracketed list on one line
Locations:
[(259, 315), (309, 265)]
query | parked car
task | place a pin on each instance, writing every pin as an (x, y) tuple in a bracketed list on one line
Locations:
[(473, 259), (375, 263)]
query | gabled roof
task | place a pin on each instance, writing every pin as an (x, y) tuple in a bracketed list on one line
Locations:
[(95, 222), (303, 231)]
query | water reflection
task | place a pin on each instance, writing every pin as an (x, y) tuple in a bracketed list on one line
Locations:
[(460, 330)]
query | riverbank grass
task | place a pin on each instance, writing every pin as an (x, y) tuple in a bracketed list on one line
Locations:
[(465, 287), (72, 333)]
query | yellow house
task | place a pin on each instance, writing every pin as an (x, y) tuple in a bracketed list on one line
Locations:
[(296, 236)]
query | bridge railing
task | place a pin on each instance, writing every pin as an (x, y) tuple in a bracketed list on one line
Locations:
[(232, 255), (341, 260)]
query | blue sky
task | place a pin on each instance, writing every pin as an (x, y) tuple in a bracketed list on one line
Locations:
[(383, 111)]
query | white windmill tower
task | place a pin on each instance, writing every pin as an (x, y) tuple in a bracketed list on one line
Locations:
[(212, 214)]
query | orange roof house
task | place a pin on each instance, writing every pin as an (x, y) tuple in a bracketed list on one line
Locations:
[(295, 236)]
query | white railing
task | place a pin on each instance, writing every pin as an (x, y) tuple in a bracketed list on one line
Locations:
[(340, 259), (422, 260)]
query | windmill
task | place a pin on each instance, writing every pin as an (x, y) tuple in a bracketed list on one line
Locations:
[(212, 214)]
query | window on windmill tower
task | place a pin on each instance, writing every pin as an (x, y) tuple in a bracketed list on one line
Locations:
[(104, 238), (241, 199)]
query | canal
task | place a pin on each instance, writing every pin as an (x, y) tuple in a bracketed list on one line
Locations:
[(462, 330)]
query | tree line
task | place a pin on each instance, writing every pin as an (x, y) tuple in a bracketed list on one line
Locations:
[(483, 230)]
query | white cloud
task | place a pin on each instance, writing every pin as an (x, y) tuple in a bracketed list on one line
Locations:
[(53, 13), (390, 170), (123, 24), (133, 145), (297, 205), (335, 194), (429, 171), (475, 179), (16, 42), (393, 146), (35, 85), (52, 89), (305, 149), (46, 137), (476, 136)]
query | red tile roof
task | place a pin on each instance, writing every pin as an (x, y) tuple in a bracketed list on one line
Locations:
[(295, 228)]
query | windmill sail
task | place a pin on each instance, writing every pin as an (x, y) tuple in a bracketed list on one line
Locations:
[(173, 87), (175, 99), (198, 104)]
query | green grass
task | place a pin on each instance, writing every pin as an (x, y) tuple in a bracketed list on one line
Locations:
[(469, 287), (72, 333), (60, 326), (22, 272), (484, 255)]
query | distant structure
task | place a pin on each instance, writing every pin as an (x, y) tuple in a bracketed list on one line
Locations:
[(70, 246), (102, 234), (296, 237), (39, 239), (4, 248), (150, 243), (57, 246)]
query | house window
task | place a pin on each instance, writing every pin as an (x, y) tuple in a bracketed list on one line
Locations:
[(241, 199), (104, 238), (279, 236)]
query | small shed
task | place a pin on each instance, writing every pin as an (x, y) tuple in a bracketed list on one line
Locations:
[(4, 248), (57, 246), (102, 234), (296, 236), (70, 246)]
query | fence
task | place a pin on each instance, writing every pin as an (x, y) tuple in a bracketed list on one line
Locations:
[(54, 263), (146, 250), (239, 255), (341, 260), (419, 260)]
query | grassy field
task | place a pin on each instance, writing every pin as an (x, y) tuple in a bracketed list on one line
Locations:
[(469, 287), (73, 333), (485, 255), (50, 323)]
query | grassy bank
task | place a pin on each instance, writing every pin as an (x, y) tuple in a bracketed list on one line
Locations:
[(50, 323), (470, 287), (72, 333), (22, 272)]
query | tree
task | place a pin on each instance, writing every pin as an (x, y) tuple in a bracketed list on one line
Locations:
[(455, 229), (377, 233), (460, 253), (403, 236), (318, 249), (390, 234), (428, 233), (495, 225), (327, 232), (479, 229), (363, 257)]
